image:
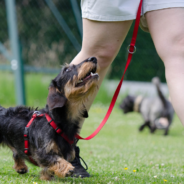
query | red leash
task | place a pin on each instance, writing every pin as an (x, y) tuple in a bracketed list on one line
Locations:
[(131, 50)]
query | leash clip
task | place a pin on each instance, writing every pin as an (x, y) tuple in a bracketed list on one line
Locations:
[(129, 47)]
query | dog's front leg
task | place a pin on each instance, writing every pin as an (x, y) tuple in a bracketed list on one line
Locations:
[(60, 168), (166, 130), (152, 130), (71, 155), (52, 162), (45, 174), (147, 123)]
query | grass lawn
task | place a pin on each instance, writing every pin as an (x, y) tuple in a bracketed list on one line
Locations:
[(36, 90), (118, 146), (117, 151)]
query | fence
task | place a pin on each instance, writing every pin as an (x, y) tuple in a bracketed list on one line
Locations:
[(40, 35)]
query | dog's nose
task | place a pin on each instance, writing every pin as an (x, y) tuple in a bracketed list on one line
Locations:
[(93, 59)]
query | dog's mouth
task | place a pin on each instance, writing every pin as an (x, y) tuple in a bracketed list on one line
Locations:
[(91, 75)]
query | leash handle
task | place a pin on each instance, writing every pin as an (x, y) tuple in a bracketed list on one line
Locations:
[(131, 50)]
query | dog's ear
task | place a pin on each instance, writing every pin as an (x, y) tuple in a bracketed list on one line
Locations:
[(55, 98), (85, 112)]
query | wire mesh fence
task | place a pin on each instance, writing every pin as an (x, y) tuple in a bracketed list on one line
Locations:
[(42, 38), (43, 41)]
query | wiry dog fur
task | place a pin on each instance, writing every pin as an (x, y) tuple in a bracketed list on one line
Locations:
[(156, 112), (65, 105)]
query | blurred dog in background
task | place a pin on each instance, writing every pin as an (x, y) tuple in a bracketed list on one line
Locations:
[(156, 112)]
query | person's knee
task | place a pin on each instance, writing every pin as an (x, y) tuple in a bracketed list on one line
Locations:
[(178, 46), (172, 48)]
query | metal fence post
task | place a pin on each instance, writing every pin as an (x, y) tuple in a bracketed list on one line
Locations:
[(77, 14), (16, 62)]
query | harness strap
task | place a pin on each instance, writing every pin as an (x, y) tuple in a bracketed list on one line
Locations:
[(26, 142), (131, 50), (32, 161), (54, 126), (57, 129)]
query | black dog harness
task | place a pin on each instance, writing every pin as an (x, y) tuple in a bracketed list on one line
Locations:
[(52, 124)]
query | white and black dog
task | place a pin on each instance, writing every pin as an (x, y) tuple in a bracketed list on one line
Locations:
[(156, 112)]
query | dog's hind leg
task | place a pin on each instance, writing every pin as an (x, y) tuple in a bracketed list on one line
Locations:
[(20, 165)]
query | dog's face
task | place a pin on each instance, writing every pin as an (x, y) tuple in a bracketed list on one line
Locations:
[(127, 104), (73, 84), (82, 80)]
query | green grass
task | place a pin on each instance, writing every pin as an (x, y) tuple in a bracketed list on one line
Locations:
[(119, 145), (36, 88)]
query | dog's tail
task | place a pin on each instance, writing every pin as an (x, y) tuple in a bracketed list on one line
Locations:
[(156, 81)]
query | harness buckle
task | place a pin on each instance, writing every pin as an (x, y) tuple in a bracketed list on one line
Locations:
[(26, 151), (25, 132), (38, 113), (50, 121)]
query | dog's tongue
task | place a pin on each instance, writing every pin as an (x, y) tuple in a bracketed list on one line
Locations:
[(81, 82), (87, 77), (90, 75)]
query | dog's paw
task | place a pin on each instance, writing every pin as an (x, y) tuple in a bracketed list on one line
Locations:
[(69, 170), (46, 177), (45, 174), (21, 170), (62, 168), (20, 166), (141, 128), (152, 131)]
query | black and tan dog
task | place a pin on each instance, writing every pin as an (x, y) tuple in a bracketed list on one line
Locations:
[(156, 112), (65, 105)]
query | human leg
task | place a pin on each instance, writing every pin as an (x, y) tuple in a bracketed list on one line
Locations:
[(102, 40), (166, 27)]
